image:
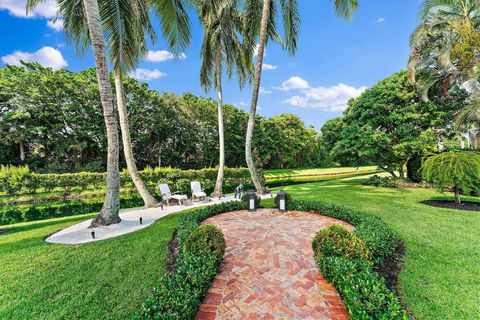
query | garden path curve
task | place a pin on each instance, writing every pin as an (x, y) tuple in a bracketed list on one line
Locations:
[(268, 271)]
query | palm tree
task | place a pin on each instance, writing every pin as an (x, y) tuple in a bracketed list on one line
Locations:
[(267, 30), (111, 205), (445, 47), (126, 25), (221, 47)]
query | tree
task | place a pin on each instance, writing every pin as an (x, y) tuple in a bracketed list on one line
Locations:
[(457, 170), (267, 30), (386, 125), (222, 47)]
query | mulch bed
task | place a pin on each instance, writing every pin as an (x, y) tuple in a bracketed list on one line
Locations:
[(172, 253), (465, 206)]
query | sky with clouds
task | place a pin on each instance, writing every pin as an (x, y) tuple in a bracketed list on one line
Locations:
[(335, 60)]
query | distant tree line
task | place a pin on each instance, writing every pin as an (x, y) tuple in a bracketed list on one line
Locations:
[(52, 121)]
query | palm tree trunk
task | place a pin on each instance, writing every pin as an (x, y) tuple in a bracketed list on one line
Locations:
[(111, 205), (148, 199), (22, 150), (256, 89), (218, 191)]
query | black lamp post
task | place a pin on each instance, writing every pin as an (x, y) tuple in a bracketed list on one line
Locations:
[(282, 201), (252, 200)]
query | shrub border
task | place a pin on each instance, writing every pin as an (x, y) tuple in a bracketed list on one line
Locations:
[(363, 291), (180, 293)]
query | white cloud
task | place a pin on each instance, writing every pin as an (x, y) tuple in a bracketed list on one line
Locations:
[(267, 66), (333, 98), (294, 83), (264, 91), (56, 25), (146, 74), (17, 8), (380, 20), (46, 56), (162, 55)]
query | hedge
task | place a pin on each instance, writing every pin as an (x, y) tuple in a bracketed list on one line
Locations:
[(23, 213), (179, 294), (363, 291), (178, 179)]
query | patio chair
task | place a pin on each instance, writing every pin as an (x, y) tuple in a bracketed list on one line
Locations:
[(167, 195), (197, 192)]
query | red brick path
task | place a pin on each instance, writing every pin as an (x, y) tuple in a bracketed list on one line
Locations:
[(268, 271)]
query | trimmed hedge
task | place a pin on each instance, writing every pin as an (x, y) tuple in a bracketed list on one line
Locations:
[(23, 213), (338, 241), (364, 293), (179, 294), (178, 179)]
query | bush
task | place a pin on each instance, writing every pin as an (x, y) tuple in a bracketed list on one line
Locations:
[(384, 182), (180, 294), (338, 241), (414, 168), (206, 239), (457, 170), (13, 179)]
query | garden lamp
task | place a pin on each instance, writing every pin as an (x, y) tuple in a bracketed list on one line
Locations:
[(282, 201), (252, 200)]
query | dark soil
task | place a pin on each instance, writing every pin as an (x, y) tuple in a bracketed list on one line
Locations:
[(465, 206), (172, 253)]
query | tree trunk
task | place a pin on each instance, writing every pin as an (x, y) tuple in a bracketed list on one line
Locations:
[(111, 205), (256, 88), (457, 195), (22, 150), (218, 191), (401, 171), (148, 199)]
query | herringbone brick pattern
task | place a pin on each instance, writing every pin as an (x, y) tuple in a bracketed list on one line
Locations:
[(268, 271)]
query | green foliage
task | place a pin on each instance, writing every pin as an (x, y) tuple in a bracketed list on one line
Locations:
[(338, 241), (180, 294), (206, 239), (347, 260), (13, 179), (364, 294), (23, 213), (385, 182), (458, 170), (414, 168)]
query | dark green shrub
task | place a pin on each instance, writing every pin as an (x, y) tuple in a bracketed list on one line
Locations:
[(414, 168), (336, 240), (206, 239), (457, 170), (384, 182)]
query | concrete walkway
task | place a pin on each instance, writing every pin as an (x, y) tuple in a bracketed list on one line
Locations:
[(81, 233), (268, 271)]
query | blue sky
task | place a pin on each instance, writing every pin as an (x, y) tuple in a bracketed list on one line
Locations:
[(335, 59)]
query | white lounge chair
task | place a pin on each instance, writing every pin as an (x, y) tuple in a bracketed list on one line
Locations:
[(167, 195), (197, 192)]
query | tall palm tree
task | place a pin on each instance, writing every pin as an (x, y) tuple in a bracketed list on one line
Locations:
[(267, 30), (111, 205), (445, 47), (223, 24), (126, 26)]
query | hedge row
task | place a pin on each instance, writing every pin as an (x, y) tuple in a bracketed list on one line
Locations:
[(17, 181), (351, 270), (180, 293), (24, 213)]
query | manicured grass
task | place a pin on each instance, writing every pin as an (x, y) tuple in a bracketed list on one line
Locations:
[(441, 278), (104, 280)]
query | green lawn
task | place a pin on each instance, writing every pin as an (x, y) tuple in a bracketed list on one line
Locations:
[(105, 280), (441, 278)]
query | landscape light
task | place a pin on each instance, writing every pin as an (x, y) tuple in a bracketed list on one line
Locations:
[(252, 200), (141, 220), (93, 234), (282, 201)]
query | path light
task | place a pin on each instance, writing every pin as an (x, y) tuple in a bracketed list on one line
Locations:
[(282, 201), (141, 220), (252, 200), (93, 234), (161, 205)]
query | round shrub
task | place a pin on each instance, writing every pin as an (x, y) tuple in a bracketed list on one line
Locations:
[(338, 241), (206, 239)]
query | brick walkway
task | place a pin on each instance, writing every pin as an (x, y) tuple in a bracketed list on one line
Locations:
[(268, 271)]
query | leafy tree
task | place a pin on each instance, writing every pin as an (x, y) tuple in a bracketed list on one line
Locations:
[(265, 26), (457, 170), (386, 125)]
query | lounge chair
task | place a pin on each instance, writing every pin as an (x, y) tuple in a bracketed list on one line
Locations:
[(167, 195), (197, 192)]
